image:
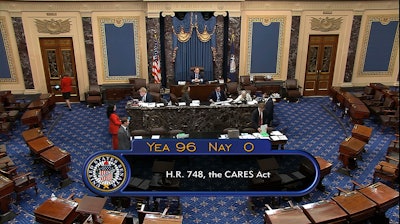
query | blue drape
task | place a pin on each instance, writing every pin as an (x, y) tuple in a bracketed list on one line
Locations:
[(194, 52)]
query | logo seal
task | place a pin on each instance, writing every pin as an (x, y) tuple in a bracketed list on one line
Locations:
[(106, 173)]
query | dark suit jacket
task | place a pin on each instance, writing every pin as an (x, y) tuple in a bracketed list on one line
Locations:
[(148, 98), (201, 77), (255, 118), (124, 138), (269, 108), (213, 96)]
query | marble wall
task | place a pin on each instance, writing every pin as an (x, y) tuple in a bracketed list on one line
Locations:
[(23, 52), (355, 30), (294, 39), (89, 48), (234, 29)]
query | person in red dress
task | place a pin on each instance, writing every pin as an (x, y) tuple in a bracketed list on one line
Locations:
[(114, 124), (66, 89)]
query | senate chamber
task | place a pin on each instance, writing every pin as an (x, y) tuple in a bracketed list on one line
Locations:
[(243, 111)]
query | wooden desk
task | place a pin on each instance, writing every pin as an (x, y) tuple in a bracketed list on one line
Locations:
[(326, 211), (6, 189), (158, 219), (290, 215), (359, 207), (197, 91), (39, 145), (56, 211), (113, 217), (32, 134), (32, 118), (201, 118), (42, 105), (51, 99), (91, 205), (361, 132), (384, 196), (57, 159), (349, 150)]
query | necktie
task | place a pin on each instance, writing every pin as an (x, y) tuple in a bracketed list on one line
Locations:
[(218, 96), (260, 121), (197, 76)]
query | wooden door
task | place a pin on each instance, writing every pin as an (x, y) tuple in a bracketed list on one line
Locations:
[(58, 58), (320, 65)]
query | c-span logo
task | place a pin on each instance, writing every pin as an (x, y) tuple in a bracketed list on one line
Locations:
[(106, 173)]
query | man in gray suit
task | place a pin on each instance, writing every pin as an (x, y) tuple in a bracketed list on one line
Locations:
[(124, 137)]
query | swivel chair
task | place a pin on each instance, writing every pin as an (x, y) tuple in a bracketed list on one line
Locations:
[(292, 90)]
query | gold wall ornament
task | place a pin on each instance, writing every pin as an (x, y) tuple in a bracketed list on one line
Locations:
[(53, 26), (182, 35), (119, 22), (204, 36), (266, 21), (326, 24)]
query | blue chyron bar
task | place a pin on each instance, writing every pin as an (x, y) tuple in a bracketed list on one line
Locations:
[(177, 167)]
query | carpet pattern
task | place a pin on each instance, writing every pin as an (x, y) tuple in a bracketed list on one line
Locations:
[(310, 125)]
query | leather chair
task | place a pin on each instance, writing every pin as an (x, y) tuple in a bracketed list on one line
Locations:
[(232, 89), (10, 115), (12, 103), (174, 132), (258, 78), (368, 92), (376, 100), (388, 104), (140, 132), (244, 81), (137, 84), (5, 129), (154, 89), (93, 96), (390, 118), (292, 90), (159, 131)]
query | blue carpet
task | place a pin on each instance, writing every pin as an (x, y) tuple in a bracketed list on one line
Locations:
[(307, 124)]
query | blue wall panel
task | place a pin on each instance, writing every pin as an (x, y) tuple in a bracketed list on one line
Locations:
[(264, 49), (380, 46), (120, 50), (4, 68)]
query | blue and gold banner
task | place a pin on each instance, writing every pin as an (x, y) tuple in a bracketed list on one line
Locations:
[(177, 167)]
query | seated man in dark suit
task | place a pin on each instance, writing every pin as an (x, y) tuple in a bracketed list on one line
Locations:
[(197, 77), (260, 116), (217, 95), (145, 96)]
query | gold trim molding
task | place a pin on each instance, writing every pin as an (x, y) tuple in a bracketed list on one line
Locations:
[(326, 24), (53, 26)]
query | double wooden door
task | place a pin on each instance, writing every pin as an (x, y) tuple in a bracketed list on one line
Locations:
[(320, 64), (58, 59)]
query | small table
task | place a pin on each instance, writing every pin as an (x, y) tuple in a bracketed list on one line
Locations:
[(361, 132), (289, 215), (32, 134), (32, 118), (92, 206), (159, 219), (326, 211), (58, 160), (358, 206), (39, 145), (56, 211)]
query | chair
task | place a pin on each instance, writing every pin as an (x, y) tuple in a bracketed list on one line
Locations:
[(12, 103), (139, 132), (154, 89), (158, 131), (376, 100), (292, 90), (93, 96), (368, 92), (232, 89), (387, 104), (137, 84), (390, 118), (174, 132), (393, 148), (5, 129), (244, 81), (10, 115), (387, 170), (259, 78)]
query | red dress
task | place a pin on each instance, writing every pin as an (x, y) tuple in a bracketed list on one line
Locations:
[(66, 84), (115, 123)]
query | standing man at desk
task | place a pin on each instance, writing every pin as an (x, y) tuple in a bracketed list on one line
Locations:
[(259, 116), (197, 77), (217, 95), (145, 96), (124, 137)]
